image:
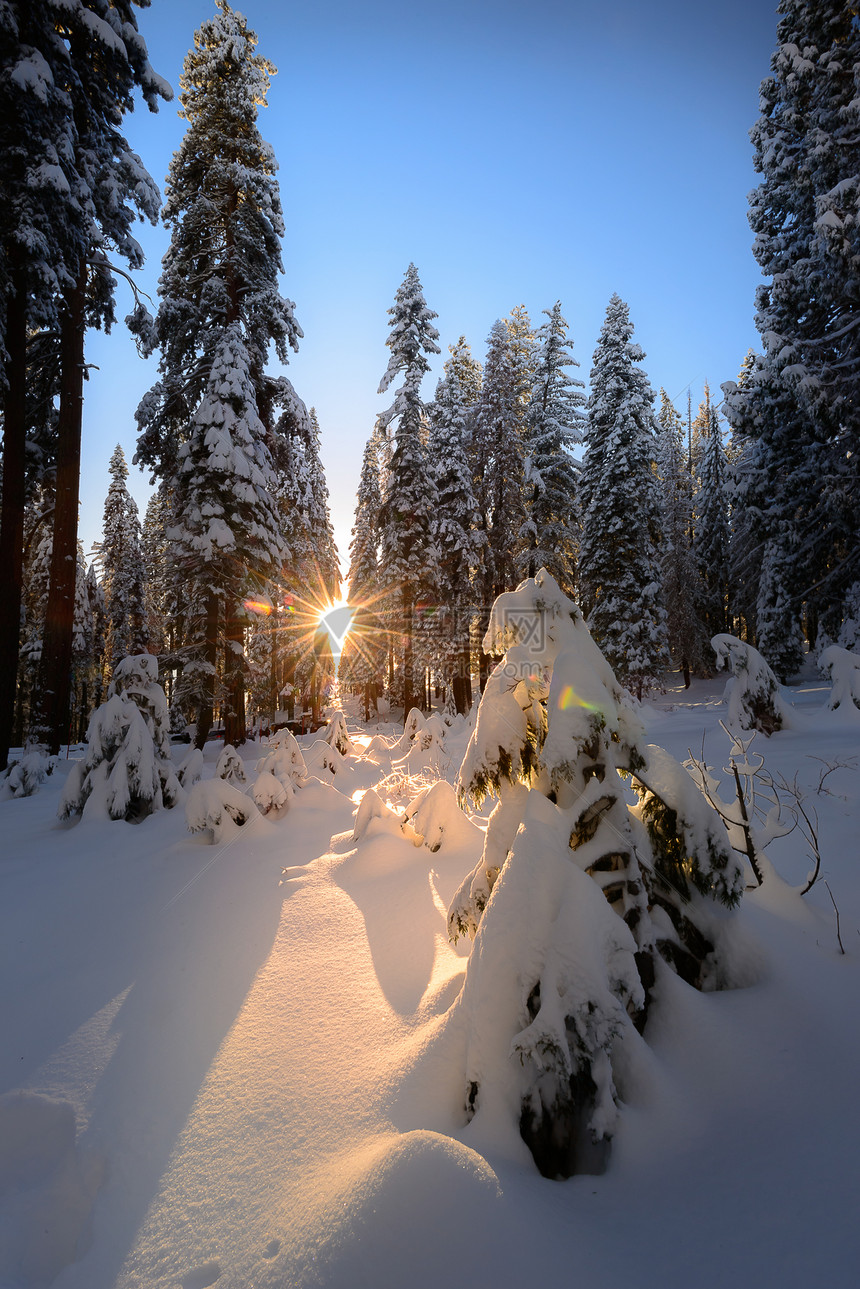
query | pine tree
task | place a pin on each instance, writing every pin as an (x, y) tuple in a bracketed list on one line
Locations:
[(319, 514), (123, 573), (362, 662), (681, 590), (498, 459), (802, 401), (619, 569), (74, 190), (457, 536), (220, 305), (711, 538), (409, 557), (554, 422), (747, 500)]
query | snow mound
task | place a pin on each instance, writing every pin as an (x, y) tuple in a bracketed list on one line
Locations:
[(48, 1187), (438, 820), (843, 669), (230, 767), (420, 1172), (215, 806), (371, 809), (24, 777), (337, 735), (323, 761), (271, 796), (284, 760)]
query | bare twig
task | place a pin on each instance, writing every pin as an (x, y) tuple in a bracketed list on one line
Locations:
[(833, 902)]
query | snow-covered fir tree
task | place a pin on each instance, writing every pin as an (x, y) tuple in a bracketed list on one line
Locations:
[(619, 570), (497, 460), (579, 901), (745, 486), (681, 589), (409, 556), (76, 67), (319, 514), (123, 573), (202, 427), (457, 535), (554, 421), (801, 402), (364, 655), (711, 521)]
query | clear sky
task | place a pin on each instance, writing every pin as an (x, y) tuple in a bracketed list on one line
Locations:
[(518, 153)]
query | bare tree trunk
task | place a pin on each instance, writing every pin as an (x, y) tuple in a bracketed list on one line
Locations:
[(52, 722), (12, 518)]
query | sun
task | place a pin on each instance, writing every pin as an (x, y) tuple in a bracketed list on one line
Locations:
[(336, 619)]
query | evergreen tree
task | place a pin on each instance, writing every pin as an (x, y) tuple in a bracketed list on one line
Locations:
[(123, 573), (409, 557), (458, 538), (711, 538), (68, 72), (681, 590), (745, 483), (362, 661), (619, 568), (220, 305), (802, 401), (554, 422), (319, 514), (497, 453)]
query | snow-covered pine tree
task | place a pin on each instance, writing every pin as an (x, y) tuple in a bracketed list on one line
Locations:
[(711, 519), (554, 421), (746, 497), (363, 659), (619, 570), (123, 573), (457, 536), (497, 451), (101, 186), (807, 150), (227, 520), (681, 591), (408, 554), (41, 241), (220, 311), (319, 514), (579, 901)]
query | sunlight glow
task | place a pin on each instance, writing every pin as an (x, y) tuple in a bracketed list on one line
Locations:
[(568, 699)]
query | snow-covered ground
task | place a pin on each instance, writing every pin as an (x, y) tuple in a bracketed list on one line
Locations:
[(235, 1064)]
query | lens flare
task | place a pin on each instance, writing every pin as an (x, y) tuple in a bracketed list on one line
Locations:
[(257, 606), (569, 698)]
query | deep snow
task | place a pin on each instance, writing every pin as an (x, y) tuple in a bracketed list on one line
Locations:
[(235, 1064)]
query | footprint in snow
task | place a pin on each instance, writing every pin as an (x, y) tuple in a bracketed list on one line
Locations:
[(202, 1277)]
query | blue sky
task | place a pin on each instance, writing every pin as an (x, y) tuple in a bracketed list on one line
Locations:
[(517, 153)]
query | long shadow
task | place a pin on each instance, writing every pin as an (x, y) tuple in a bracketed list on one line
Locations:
[(388, 881), (179, 929)]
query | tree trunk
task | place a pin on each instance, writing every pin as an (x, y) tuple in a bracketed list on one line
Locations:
[(12, 518), (206, 712), (52, 723), (408, 655), (234, 717)]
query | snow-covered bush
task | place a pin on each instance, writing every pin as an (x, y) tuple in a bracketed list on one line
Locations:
[(371, 808), (579, 897), (215, 806), (321, 759), (284, 759), (438, 820), (127, 772), (24, 777), (843, 670), (336, 735), (191, 768), (753, 695), (271, 795), (427, 753), (230, 766), (849, 632)]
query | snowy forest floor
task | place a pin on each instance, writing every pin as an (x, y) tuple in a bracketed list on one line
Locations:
[(232, 1064)]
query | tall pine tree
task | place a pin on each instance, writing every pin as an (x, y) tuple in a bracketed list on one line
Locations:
[(619, 566), (123, 572), (204, 426), (409, 556)]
